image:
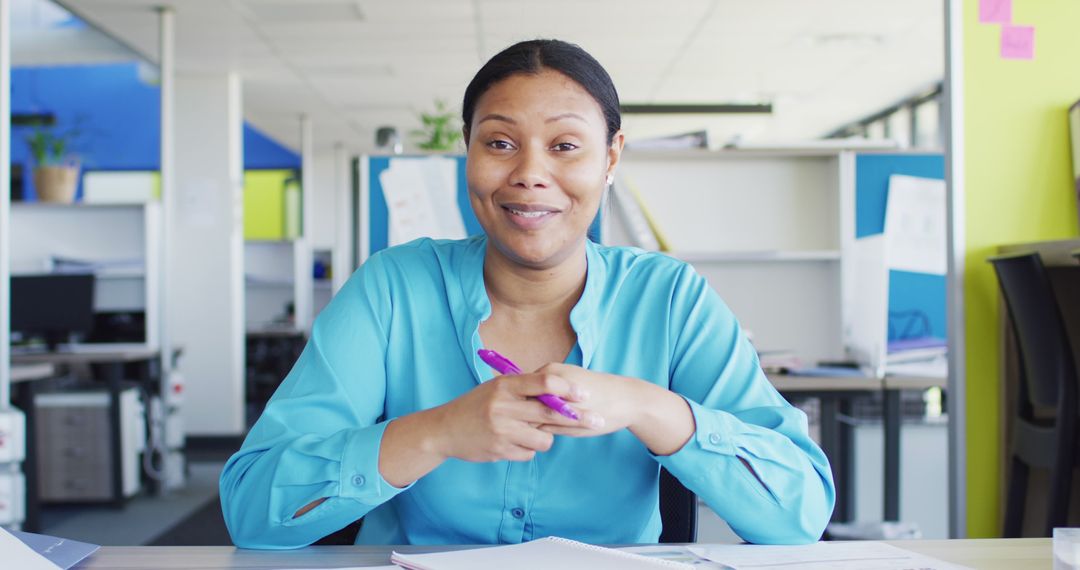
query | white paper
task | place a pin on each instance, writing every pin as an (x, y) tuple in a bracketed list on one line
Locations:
[(821, 556), (393, 567), (915, 224), (866, 331), (15, 554), (421, 198)]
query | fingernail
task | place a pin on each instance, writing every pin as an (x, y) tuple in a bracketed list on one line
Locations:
[(580, 393), (596, 421)]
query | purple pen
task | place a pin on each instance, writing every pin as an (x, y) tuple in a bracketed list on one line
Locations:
[(503, 365)]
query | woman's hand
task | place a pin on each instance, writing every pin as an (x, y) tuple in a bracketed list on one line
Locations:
[(617, 400), (660, 418), (501, 419)]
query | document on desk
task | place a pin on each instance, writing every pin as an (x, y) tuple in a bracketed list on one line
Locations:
[(62, 552), (821, 556), (17, 554)]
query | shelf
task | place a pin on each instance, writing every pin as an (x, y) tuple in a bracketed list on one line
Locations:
[(269, 242), (120, 274), (772, 256), (268, 282), (19, 204)]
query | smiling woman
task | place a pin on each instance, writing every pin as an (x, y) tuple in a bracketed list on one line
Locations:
[(390, 415)]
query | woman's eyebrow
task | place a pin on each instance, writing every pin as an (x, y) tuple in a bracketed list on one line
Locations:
[(566, 116), (497, 117)]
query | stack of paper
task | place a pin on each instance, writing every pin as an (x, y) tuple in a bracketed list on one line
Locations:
[(29, 551)]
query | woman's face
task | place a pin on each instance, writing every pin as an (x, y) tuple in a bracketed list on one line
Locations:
[(537, 162)]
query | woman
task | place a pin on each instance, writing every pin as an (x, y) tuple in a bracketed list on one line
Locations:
[(390, 415)]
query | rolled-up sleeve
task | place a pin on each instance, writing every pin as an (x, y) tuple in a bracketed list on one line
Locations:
[(788, 496), (319, 436)]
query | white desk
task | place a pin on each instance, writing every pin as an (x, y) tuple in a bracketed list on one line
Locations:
[(31, 372), (995, 554)]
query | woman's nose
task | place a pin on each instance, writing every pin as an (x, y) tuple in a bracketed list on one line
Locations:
[(531, 170)]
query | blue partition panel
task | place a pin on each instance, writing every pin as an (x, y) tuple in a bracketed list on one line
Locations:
[(909, 293)]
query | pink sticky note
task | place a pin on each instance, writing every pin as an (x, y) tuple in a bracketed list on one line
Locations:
[(995, 11), (1017, 42)]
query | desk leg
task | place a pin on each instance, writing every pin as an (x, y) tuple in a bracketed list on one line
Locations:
[(24, 400), (891, 416), (113, 373), (837, 439)]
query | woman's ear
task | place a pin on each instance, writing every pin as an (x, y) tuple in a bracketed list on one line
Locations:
[(614, 154)]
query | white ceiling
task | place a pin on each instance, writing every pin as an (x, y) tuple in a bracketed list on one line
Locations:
[(355, 65)]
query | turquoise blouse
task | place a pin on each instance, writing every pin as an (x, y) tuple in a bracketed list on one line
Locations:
[(402, 336)]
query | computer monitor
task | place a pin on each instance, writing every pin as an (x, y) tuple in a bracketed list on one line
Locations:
[(53, 306)]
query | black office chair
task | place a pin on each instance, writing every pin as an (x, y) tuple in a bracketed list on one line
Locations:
[(678, 510), (1047, 380)]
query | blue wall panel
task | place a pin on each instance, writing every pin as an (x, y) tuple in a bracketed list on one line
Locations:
[(116, 114), (909, 293)]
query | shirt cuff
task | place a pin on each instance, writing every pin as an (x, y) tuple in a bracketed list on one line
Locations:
[(360, 476), (716, 432)]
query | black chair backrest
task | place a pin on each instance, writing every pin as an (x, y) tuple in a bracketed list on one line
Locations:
[(1047, 366), (678, 510)]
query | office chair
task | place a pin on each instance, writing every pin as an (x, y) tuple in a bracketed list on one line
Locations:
[(1047, 380), (343, 537), (678, 510)]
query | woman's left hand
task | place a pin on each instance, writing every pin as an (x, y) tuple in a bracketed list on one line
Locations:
[(660, 418), (616, 399)]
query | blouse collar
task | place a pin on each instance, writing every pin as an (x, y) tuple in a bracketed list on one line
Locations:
[(478, 306)]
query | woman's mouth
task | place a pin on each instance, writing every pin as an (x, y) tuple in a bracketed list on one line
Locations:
[(529, 216)]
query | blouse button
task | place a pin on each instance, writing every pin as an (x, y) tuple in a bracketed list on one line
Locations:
[(714, 438), (358, 480), (518, 513)]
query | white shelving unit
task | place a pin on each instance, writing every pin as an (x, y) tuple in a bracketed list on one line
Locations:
[(102, 235), (269, 282), (768, 230)]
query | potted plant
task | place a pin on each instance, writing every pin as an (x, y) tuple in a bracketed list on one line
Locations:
[(441, 131), (56, 174)]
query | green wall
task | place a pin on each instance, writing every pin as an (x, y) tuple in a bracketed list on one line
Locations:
[(264, 204), (1018, 188)]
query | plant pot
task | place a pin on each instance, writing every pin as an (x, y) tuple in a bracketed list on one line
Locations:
[(56, 183)]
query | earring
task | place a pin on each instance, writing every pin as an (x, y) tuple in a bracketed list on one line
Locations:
[(610, 179)]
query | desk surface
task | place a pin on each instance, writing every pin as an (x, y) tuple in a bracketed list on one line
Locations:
[(1053, 253), (789, 383), (30, 372), (990, 554), (133, 354)]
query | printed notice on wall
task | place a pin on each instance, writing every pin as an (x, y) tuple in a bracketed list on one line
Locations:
[(915, 225), (421, 197)]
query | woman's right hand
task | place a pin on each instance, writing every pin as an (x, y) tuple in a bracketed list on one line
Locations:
[(499, 419)]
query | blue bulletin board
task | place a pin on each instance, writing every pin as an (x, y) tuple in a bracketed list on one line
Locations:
[(912, 296)]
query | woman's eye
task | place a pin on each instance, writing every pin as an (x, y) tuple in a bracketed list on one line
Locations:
[(565, 146), (499, 145)]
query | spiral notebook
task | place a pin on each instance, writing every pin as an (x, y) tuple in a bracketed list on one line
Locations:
[(541, 554)]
